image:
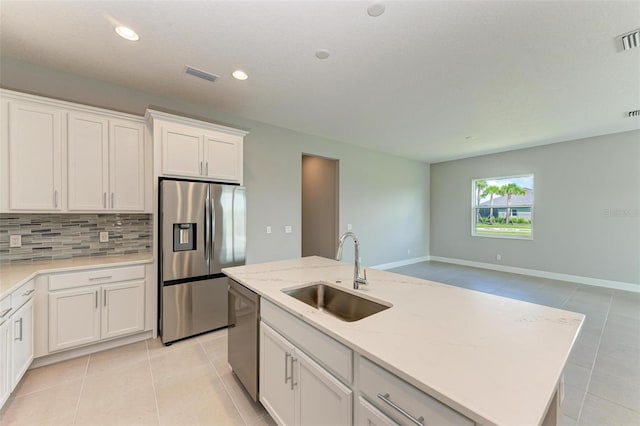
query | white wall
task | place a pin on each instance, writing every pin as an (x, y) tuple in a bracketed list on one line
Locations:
[(386, 198), (586, 208)]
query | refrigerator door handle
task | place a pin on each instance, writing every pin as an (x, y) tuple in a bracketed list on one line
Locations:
[(207, 229), (212, 228)]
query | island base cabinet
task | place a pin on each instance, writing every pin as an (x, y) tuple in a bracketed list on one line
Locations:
[(296, 390), (368, 415)]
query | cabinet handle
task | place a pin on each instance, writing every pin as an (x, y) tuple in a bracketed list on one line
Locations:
[(112, 202), (104, 200), (418, 422), (5, 312), (201, 168), (104, 297), (292, 382), (28, 292), (286, 367), (20, 339), (106, 277), (96, 299), (206, 165), (55, 198)]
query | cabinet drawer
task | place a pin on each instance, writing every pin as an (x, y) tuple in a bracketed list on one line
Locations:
[(330, 353), (22, 294), (95, 276), (376, 382), (5, 308)]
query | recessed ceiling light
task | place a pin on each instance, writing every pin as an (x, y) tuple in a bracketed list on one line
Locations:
[(240, 75), (127, 33), (322, 54), (375, 9)]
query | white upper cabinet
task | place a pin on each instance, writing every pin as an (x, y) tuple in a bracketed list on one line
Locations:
[(34, 146), (197, 149), (105, 163), (126, 165), (60, 157), (88, 161)]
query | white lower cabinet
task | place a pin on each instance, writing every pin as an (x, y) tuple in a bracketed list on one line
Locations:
[(5, 361), (80, 313), (22, 353), (297, 390)]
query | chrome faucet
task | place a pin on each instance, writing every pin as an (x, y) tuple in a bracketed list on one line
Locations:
[(357, 280)]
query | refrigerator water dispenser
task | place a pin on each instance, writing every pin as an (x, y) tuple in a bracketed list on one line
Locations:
[(184, 236)]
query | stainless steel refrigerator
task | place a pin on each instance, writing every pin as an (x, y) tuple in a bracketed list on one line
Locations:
[(202, 230)]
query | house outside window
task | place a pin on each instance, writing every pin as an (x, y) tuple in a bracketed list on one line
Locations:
[(502, 207)]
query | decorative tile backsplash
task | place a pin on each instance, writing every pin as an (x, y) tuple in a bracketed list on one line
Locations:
[(64, 236)]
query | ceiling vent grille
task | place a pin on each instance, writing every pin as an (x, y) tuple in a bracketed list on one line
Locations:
[(201, 74), (635, 113), (630, 40)]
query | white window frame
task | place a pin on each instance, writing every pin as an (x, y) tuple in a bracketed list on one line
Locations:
[(474, 207)]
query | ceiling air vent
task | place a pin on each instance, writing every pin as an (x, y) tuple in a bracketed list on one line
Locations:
[(201, 74), (630, 40), (635, 113)]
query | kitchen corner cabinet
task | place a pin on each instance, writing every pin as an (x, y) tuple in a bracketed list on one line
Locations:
[(95, 305), (5, 360), (34, 146), (197, 149), (22, 354), (297, 390), (105, 163)]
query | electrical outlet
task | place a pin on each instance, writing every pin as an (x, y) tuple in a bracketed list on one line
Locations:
[(268, 229), (498, 257), (287, 229), (349, 227), (15, 241), (104, 237)]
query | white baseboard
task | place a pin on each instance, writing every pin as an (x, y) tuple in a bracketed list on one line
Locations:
[(618, 285), (90, 349), (400, 263)]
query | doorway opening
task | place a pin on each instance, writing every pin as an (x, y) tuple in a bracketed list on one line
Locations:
[(320, 183)]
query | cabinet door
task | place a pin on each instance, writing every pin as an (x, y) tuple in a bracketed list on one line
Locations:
[(321, 398), (223, 158), (368, 415), (181, 151), (5, 361), (126, 165), (22, 353), (122, 309), (35, 151), (88, 161), (276, 376), (74, 317)]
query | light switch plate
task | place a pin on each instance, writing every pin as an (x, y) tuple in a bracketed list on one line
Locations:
[(15, 241), (349, 227), (287, 229), (104, 237)]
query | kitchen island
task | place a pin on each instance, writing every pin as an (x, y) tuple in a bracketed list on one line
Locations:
[(492, 359)]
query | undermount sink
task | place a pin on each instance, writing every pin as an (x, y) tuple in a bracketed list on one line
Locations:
[(341, 304)]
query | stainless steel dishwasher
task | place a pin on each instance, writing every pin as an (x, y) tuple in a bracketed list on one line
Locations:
[(244, 323)]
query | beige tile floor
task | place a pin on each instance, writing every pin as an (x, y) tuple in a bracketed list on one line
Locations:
[(189, 383), (145, 383)]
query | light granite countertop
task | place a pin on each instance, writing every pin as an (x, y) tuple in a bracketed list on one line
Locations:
[(13, 276), (493, 359)]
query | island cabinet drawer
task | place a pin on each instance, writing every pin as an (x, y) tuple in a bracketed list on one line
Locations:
[(23, 293), (95, 276), (328, 352), (401, 401)]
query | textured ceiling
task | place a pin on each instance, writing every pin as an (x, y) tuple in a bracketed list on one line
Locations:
[(428, 80)]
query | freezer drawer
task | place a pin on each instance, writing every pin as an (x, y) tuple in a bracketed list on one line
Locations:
[(192, 308)]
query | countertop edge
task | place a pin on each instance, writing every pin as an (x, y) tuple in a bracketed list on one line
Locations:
[(51, 269)]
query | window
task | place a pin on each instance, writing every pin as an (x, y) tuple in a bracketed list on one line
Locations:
[(503, 207)]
